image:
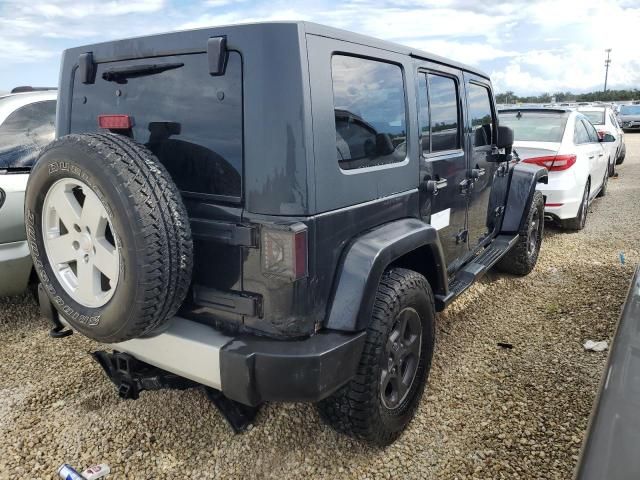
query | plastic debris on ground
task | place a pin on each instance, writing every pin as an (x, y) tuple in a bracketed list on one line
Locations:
[(594, 346)]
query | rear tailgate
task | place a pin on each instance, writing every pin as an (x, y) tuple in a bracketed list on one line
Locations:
[(193, 122)]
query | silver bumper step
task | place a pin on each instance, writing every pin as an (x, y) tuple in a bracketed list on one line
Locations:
[(186, 348)]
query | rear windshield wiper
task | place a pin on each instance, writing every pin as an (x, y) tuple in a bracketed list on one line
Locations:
[(120, 74)]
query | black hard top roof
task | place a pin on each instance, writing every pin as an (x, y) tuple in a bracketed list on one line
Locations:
[(347, 36), (170, 38)]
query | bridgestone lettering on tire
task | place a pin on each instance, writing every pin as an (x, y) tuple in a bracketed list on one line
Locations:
[(364, 408), (115, 217)]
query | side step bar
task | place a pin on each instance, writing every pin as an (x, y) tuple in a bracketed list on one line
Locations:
[(476, 269)]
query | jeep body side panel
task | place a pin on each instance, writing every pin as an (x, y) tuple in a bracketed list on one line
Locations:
[(300, 308), (364, 263), (524, 178)]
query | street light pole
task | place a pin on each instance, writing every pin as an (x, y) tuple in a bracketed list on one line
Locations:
[(607, 62)]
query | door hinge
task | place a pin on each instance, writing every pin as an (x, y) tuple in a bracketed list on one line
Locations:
[(498, 211), (461, 236)]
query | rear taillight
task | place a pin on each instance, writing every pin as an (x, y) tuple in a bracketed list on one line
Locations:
[(553, 163), (115, 122), (284, 251)]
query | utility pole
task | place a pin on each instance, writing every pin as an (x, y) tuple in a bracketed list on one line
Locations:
[(607, 62)]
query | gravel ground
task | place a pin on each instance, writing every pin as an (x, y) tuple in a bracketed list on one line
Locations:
[(488, 412)]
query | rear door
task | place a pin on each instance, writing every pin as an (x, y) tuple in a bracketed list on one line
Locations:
[(480, 139), (443, 165), (192, 121)]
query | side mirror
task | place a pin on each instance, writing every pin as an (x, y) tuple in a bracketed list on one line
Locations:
[(505, 139), (607, 138)]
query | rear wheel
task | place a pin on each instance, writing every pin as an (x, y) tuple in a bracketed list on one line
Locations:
[(579, 222), (379, 402), (623, 153), (522, 258), (612, 168)]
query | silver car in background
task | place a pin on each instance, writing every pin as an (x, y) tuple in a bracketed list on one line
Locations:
[(27, 123), (629, 117)]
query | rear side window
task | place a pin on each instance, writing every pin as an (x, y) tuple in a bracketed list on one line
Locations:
[(24, 132), (370, 116), (481, 115), (580, 134), (443, 109), (591, 131)]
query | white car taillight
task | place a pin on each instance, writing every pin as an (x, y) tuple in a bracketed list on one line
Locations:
[(284, 251)]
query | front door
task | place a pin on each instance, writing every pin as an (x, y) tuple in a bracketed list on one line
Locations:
[(443, 166), (481, 131)]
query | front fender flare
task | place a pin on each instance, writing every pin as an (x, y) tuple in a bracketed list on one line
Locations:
[(364, 263), (524, 178)]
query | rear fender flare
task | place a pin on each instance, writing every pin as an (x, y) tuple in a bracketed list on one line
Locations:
[(366, 260), (524, 178)]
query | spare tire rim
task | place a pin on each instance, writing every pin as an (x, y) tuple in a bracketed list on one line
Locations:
[(80, 242), (401, 358)]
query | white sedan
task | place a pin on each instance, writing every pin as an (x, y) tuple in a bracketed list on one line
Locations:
[(567, 144), (605, 121)]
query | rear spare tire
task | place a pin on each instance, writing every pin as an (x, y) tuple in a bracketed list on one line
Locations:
[(109, 235)]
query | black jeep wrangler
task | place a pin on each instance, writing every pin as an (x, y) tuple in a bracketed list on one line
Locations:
[(276, 211)]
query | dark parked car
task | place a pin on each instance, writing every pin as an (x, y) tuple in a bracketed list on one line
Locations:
[(276, 211)]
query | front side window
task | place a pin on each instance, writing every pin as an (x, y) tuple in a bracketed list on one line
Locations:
[(481, 116), (24, 132), (370, 116)]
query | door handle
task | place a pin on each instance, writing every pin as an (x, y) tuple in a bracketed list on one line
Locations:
[(433, 186), (601, 155), (591, 157), (478, 172)]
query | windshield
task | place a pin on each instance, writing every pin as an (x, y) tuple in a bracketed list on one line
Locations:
[(535, 126), (630, 110), (595, 117)]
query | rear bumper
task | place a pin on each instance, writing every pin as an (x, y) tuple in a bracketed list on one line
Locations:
[(563, 195), (250, 369)]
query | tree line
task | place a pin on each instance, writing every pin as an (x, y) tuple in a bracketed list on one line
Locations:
[(608, 96)]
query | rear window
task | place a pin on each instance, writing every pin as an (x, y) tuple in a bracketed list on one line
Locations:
[(595, 117), (630, 110), (24, 132), (369, 106), (535, 126), (192, 121)]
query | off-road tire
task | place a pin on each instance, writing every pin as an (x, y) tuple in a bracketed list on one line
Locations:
[(357, 408), (578, 223), (522, 257), (151, 230)]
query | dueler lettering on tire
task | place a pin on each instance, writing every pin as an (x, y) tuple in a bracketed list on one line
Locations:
[(109, 235)]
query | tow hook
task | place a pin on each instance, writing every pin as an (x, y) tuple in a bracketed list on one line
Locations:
[(131, 376), (48, 312)]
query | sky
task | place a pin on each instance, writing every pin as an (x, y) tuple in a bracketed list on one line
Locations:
[(528, 47)]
